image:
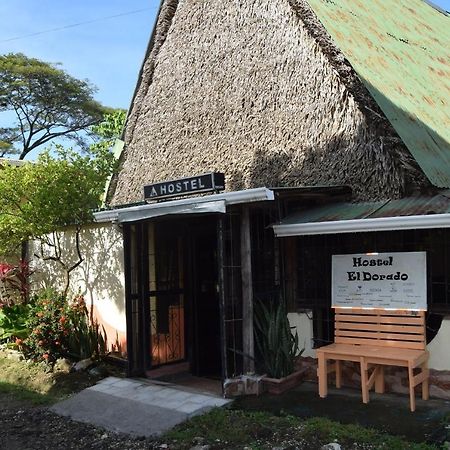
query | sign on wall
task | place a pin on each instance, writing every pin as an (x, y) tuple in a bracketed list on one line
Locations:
[(193, 185), (380, 280)]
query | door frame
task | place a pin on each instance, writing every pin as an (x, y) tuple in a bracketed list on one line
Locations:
[(137, 305)]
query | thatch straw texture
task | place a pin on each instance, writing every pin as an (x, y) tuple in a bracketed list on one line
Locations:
[(245, 87)]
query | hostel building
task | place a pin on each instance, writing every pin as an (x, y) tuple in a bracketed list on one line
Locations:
[(323, 129)]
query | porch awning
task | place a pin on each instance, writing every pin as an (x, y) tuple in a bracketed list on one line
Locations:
[(215, 203), (403, 214)]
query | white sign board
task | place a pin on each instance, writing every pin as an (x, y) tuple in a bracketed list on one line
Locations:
[(380, 280)]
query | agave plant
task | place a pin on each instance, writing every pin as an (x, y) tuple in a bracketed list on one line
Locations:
[(276, 343)]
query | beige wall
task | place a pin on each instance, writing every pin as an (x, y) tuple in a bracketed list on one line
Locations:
[(100, 277), (303, 326), (438, 348)]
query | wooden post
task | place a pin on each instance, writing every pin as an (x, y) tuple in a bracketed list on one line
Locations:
[(379, 380), (364, 380), (338, 374), (247, 293), (322, 373), (221, 280)]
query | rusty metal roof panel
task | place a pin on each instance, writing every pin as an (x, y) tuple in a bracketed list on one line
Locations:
[(415, 206), (334, 211), (411, 206), (400, 50)]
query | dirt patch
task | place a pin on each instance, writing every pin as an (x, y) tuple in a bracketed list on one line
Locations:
[(23, 426)]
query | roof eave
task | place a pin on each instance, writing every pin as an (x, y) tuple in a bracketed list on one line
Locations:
[(363, 225)]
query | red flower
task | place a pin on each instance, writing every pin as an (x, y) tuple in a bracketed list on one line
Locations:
[(45, 356), (5, 268), (19, 341), (62, 319)]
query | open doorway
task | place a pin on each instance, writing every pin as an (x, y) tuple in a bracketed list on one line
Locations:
[(204, 293), (173, 313)]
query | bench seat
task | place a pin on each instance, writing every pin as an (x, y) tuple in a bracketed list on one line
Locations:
[(403, 356), (385, 347)]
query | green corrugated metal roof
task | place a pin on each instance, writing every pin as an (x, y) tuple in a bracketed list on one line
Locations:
[(333, 211), (411, 206), (401, 51)]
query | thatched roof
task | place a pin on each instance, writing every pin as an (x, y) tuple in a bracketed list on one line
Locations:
[(258, 90)]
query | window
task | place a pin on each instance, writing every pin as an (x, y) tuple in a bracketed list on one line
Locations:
[(312, 271)]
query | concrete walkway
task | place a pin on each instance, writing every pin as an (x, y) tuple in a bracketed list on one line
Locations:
[(139, 408)]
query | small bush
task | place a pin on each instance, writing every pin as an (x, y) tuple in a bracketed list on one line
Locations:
[(14, 287), (60, 328), (49, 322), (277, 346), (85, 340), (13, 323)]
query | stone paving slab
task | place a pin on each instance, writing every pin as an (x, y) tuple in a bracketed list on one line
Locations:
[(135, 407)]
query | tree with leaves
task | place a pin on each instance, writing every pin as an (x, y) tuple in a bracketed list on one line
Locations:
[(61, 188), (46, 103), (37, 200)]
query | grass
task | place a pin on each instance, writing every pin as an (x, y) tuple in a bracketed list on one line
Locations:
[(234, 429), (22, 394), (230, 427), (328, 430), (34, 383)]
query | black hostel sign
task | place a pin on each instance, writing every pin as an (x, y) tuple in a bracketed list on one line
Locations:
[(209, 182)]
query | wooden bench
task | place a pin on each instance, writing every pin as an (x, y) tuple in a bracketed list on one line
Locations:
[(376, 338)]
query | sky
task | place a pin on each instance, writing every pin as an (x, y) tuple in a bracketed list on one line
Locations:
[(108, 52)]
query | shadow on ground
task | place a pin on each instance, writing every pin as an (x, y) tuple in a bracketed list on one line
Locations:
[(386, 412)]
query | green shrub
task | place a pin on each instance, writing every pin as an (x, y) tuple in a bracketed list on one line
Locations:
[(60, 328), (14, 285), (13, 323), (276, 344), (86, 339), (49, 321)]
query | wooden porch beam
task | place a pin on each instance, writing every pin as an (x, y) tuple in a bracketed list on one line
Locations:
[(247, 292)]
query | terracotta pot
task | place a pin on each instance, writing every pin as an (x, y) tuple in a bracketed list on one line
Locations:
[(277, 386)]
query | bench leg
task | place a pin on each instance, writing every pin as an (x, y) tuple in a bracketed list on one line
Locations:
[(412, 397), (364, 381), (338, 374), (425, 382), (322, 374), (379, 380)]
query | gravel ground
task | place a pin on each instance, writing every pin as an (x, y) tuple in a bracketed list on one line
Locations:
[(24, 427), (27, 427)]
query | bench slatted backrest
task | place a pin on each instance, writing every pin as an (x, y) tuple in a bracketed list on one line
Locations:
[(378, 327)]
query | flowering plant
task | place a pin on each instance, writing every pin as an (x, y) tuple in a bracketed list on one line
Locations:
[(14, 287), (49, 322), (61, 328)]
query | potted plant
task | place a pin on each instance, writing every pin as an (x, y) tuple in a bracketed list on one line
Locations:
[(278, 347)]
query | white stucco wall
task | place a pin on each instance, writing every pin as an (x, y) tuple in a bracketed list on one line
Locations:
[(439, 348), (100, 277), (303, 326)]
